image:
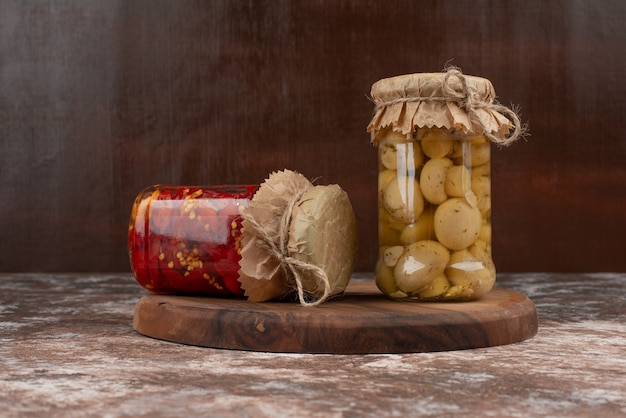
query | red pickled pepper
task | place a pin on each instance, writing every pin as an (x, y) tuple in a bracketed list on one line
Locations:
[(187, 239)]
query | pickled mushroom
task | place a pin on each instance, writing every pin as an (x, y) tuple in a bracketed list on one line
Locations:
[(480, 154), (392, 254), (384, 177), (458, 148), (435, 288), (481, 170), (387, 149), (457, 223), (482, 188), (386, 234), (397, 152), (485, 232), (458, 181), (403, 199), (422, 229), (433, 179), (478, 140), (420, 264), (385, 280), (437, 143), (471, 271)]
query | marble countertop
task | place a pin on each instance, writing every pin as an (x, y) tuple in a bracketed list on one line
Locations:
[(68, 348)]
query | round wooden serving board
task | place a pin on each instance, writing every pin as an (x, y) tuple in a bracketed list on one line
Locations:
[(361, 322)]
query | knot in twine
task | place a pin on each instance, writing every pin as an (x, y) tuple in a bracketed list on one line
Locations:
[(291, 266), (470, 101)]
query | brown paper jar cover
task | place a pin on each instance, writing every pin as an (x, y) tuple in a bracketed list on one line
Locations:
[(422, 99), (295, 234)]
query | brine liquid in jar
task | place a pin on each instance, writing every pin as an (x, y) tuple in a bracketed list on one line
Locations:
[(434, 222), (187, 239)]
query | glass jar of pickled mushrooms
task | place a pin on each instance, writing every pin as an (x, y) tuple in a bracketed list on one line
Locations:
[(433, 133)]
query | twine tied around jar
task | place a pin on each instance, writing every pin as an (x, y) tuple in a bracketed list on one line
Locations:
[(291, 266), (456, 89)]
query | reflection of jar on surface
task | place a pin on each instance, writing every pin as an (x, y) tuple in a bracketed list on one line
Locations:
[(187, 239), (434, 184)]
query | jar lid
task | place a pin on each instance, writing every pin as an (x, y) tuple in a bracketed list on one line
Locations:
[(323, 233), (297, 238), (448, 99)]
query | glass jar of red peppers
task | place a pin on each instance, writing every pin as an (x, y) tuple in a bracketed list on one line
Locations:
[(188, 239)]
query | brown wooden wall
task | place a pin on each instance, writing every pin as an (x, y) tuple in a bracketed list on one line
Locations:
[(99, 99)]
